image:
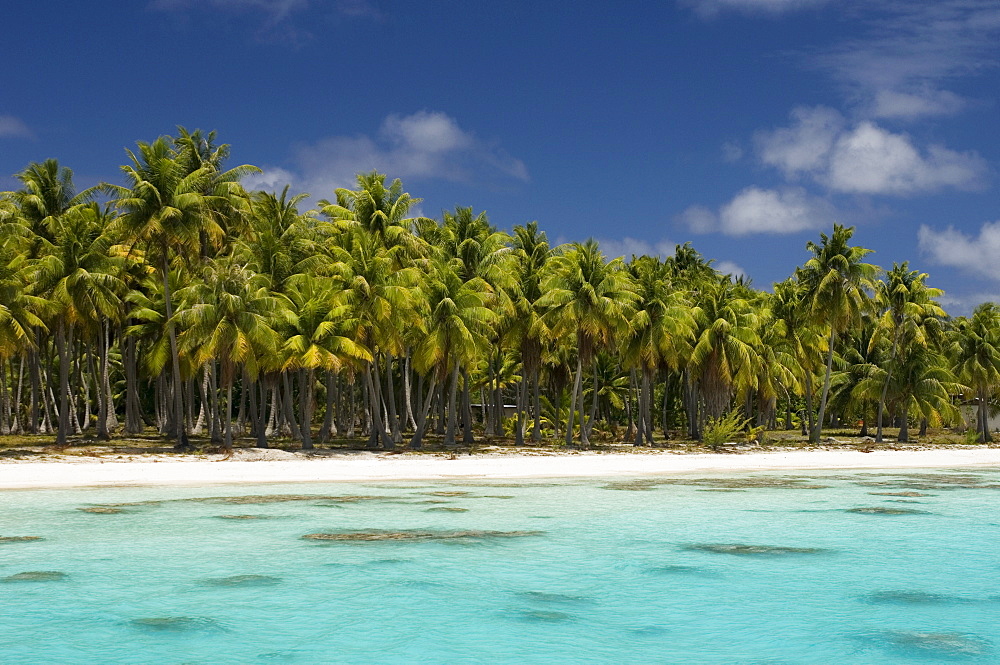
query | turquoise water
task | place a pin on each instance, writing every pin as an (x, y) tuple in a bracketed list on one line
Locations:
[(872, 567)]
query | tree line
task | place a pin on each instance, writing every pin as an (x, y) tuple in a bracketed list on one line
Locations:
[(182, 302)]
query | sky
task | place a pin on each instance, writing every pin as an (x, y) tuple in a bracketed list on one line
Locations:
[(746, 127)]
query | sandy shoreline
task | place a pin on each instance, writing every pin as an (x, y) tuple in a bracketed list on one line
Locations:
[(289, 467)]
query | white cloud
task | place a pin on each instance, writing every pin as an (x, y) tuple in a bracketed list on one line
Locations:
[(756, 210), (730, 268), (423, 145), (710, 8), (963, 304), (973, 255), (11, 127), (805, 145), (627, 247), (699, 219), (865, 159), (906, 50), (910, 105), (732, 152), (871, 160), (271, 179)]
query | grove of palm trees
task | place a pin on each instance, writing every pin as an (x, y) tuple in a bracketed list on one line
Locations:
[(177, 302)]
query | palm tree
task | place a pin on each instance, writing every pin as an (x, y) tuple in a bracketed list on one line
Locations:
[(230, 322), (381, 299), (662, 332), (910, 318), (456, 323), (975, 352), (529, 330), (591, 301), (724, 359), (838, 283), (318, 338), (77, 275), (167, 213)]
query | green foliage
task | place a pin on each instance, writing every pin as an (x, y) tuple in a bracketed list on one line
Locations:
[(729, 427)]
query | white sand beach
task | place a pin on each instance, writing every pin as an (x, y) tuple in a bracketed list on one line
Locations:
[(250, 466)]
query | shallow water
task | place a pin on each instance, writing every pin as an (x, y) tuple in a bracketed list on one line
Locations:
[(791, 569)]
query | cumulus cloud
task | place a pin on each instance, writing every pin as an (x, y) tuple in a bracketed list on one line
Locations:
[(963, 304), (272, 179), (756, 210), (910, 105), (975, 255), (871, 160), (628, 247), (805, 145), (865, 158), (11, 127), (423, 145), (730, 268), (896, 65), (711, 8)]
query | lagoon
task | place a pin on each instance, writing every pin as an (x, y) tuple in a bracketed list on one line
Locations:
[(875, 566)]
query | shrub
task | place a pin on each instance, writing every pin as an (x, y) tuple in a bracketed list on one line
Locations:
[(730, 427)]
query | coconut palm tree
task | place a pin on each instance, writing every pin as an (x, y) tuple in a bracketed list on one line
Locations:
[(456, 324), (529, 332), (591, 301), (724, 359), (317, 338), (230, 323), (381, 298), (975, 351), (911, 318), (663, 328), (78, 277), (167, 214), (838, 285)]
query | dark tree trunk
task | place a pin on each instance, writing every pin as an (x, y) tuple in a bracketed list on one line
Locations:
[(64, 362), (449, 434), (175, 359), (417, 441)]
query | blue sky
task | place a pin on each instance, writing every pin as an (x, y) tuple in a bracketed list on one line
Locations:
[(743, 126)]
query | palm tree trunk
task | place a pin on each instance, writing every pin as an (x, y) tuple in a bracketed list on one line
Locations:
[(984, 419), (64, 361), (261, 413), (329, 426), (390, 398), (199, 424), (536, 402), (175, 358), (228, 442), (407, 391), (449, 435), (375, 403), (307, 378), (467, 436), (885, 385), (573, 399), (287, 406), (904, 427), (808, 420), (814, 435), (585, 435), (648, 385), (417, 441), (133, 411), (522, 394)]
